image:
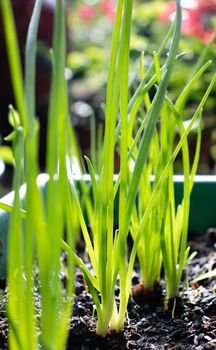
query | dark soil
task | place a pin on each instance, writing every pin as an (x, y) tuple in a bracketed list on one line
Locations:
[(151, 326), (191, 324)]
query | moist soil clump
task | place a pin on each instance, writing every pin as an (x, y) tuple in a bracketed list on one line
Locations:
[(189, 322)]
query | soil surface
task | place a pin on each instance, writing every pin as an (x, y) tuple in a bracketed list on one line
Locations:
[(191, 324)]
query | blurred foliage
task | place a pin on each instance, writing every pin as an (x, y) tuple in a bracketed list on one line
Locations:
[(90, 25), (90, 31)]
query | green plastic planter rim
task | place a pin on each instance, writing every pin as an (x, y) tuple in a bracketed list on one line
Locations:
[(202, 206)]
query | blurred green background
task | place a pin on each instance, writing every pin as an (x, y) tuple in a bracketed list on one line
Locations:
[(90, 26)]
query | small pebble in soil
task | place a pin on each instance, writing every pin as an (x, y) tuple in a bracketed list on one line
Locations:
[(211, 235), (151, 296)]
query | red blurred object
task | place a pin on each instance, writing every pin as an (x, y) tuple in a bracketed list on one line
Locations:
[(86, 12), (109, 10), (89, 12), (196, 17)]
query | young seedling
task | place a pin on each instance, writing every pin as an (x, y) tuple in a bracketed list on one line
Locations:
[(162, 145), (108, 252), (36, 240)]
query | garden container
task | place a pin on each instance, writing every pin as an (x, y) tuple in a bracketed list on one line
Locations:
[(202, 207)]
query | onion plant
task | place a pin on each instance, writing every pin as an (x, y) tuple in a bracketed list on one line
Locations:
[(174, 254), (108, 251), (175, 222), (162, 145), (35, 237)]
